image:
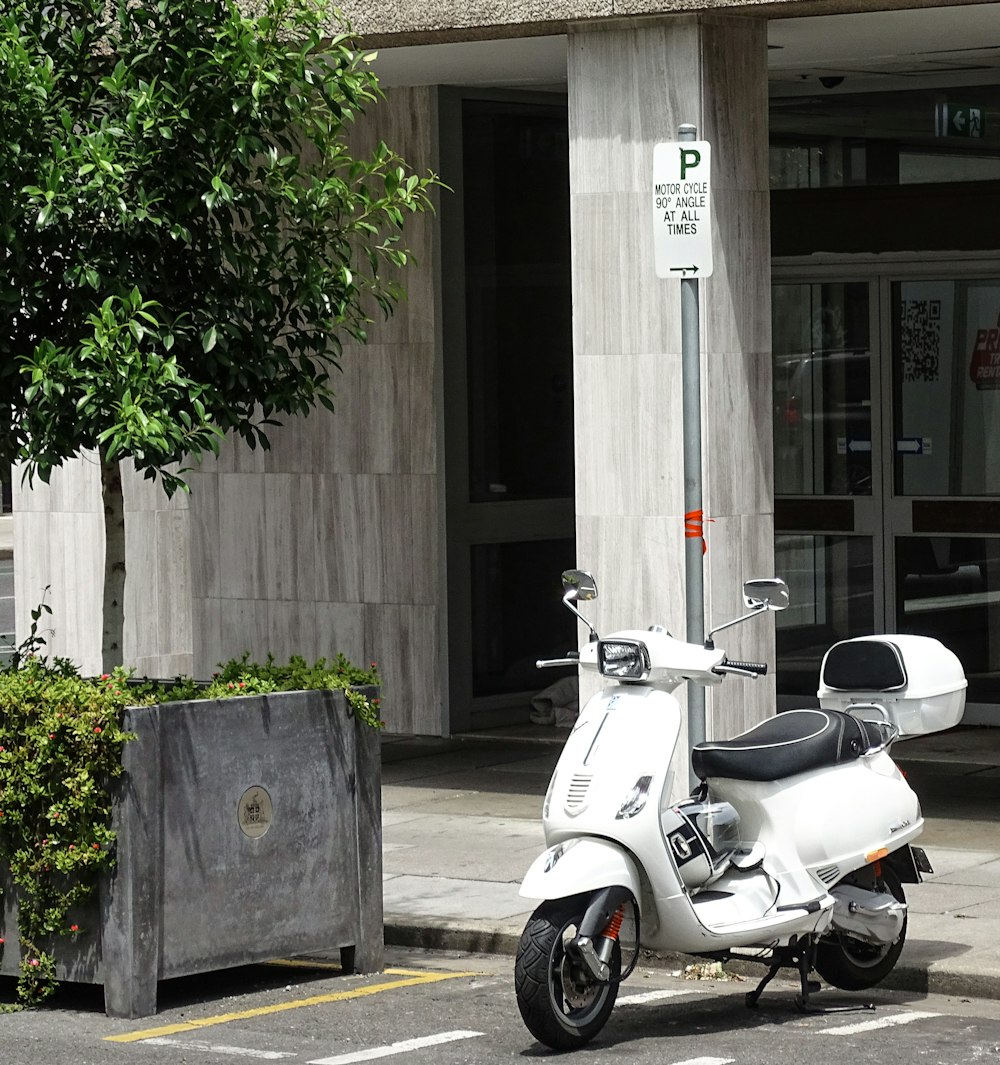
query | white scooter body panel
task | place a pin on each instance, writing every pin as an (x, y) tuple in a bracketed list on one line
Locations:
[(600, 764), (827, 821), (580, 864)]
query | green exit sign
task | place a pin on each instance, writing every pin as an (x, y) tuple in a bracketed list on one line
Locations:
[(961, 120)]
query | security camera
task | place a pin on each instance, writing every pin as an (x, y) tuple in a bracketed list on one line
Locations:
[(831, 82)]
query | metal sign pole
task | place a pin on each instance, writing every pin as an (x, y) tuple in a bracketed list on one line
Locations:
[(694, 573), (682, 246)]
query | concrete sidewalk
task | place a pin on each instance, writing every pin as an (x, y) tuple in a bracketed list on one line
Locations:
[(462, 823)]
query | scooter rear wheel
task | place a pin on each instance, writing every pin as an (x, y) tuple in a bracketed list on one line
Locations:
[(561, 1003), (853, 965)]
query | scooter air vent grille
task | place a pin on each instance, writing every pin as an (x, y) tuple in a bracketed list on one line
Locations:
[(576, 795), (829, 874)]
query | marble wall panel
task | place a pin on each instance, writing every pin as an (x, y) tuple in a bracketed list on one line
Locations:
[(141, 628), (735, 110), (140, 493), (736, 299), (397, 639), (739, 467), (407, 121), (172, 572), (207, 635), (423, 413), (739, 548), (206, 560), (336, 439), (290, 543), (630, 88), (630, 309), (163, 666), (243, 626), (56, 562), (340, 541), (291, 626), (291, 446), (399, 536), (628, 413), (242, 536), (340, 628)]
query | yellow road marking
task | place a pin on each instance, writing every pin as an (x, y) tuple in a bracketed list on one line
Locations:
[(281, 1007), (304, 963)]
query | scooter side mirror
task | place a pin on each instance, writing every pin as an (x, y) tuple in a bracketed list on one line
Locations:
[(765, 593), (578, 586), (759, 595)]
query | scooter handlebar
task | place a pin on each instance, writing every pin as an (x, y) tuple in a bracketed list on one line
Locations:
[(749, 669), (572, 659)]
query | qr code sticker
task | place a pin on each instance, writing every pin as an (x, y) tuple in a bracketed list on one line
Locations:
[(920, 340)]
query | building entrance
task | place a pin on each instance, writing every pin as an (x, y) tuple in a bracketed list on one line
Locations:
[(887, 499)]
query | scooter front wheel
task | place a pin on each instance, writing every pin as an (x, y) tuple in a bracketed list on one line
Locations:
[(561, 1002)]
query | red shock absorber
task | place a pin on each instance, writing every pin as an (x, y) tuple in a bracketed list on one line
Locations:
[(614, 925)]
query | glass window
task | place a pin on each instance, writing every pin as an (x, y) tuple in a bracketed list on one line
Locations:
[(822, 389), (949, 588), (518, 302), (946, 360), (830, 591)]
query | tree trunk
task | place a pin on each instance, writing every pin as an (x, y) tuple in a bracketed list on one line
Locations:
[(113, 624)]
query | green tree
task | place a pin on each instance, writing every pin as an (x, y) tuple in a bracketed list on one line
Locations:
[(186, 236)]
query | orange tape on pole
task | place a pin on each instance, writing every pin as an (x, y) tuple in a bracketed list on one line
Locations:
[(694, 528)]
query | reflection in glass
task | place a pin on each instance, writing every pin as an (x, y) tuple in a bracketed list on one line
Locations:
[(830, 589), (946, 364), (887, 138), (822, 389), (949, 588), (518, 616)]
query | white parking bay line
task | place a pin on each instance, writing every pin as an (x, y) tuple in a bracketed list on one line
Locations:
[(396, 1048), (882, 1022), (706, 1061), (214, 1048), (655, 996)]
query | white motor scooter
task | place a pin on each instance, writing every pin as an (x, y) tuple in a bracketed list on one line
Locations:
[(792, 851)]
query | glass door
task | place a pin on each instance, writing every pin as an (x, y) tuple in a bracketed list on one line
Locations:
[(828, 474), (887, 485), (508, 390), (942, 514)]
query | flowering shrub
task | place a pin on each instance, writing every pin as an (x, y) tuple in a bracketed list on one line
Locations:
[(61, 744)]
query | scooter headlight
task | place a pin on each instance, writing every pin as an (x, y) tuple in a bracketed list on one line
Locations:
[(623, 659)]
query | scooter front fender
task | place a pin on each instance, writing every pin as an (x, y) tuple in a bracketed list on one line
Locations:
[(580, 864)]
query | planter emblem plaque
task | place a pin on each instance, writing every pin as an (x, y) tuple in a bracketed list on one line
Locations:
[(255, 812)]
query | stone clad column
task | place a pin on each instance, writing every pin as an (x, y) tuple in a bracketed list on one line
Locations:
[(630, 88)]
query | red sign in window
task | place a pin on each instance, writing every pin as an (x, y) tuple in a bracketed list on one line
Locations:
[(985, 366)]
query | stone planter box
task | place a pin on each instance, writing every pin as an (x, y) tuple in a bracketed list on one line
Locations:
[(248, 829)]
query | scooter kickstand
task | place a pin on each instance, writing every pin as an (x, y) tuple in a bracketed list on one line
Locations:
[(804, 962), (752, 998)]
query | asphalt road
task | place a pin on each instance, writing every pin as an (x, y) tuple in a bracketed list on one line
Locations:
[(436, 1009)]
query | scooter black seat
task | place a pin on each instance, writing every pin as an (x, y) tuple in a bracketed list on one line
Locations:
[(795, 741)]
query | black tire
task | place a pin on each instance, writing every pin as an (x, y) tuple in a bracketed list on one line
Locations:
[(561, 1003), (853, 965)]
